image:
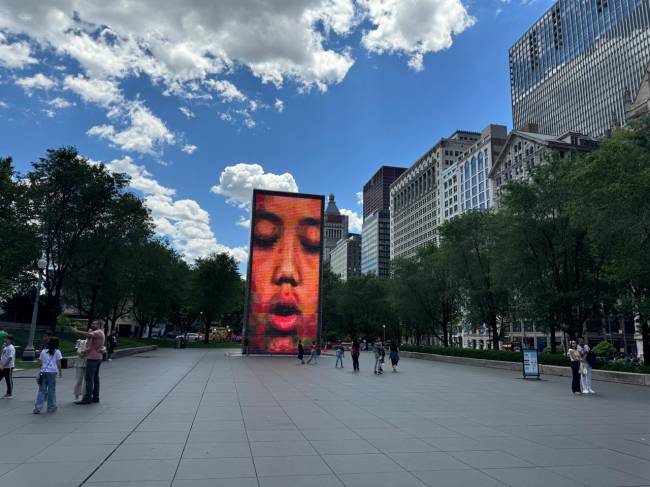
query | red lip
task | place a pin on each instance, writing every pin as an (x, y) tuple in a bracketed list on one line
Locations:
[(284, 323)]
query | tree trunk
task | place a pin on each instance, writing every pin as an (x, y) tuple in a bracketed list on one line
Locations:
[(206, 338), (553, 344), (495, 332), (645, 335)]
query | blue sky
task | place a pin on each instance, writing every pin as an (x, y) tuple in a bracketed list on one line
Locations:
[(200, 105)]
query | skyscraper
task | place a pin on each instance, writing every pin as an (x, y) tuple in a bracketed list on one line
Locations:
[(376, 192), (345, 259), (375, 246), (335, 227), (579, 65)]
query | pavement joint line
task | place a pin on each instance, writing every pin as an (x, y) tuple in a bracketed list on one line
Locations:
[(241, 411), (101, 464), (196, 412)]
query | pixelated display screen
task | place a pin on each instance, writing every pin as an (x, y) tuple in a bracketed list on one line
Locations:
[(284, 272)]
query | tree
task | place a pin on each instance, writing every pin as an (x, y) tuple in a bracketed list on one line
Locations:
[(155, 268), (18, 243), (102, 284), (216, 287), (471, 245), (70, 199), (613, 185)]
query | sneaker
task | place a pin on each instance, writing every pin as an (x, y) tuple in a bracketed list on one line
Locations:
[(591, 391), (578, 393), (53, 410), (82, 402), (37, 411), (7, 396), (95, 400)]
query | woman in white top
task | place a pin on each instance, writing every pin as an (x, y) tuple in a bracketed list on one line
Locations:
[(50, 359), (574, 355)]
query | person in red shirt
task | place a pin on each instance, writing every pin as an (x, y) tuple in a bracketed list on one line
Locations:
[(95, 354)]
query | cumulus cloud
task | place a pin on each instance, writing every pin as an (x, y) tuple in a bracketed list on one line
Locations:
[(414, 27), (187, 112), (98, 91), (59, 102), (236, 183), (355, 221), (179, 43), (359, 195), (279, 105), (145, 132), (189, 148), (37, 82), (226, 90), (15, 55), (183, 221)]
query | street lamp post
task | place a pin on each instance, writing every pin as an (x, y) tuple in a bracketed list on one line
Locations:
[(384, 327), (28, 354)]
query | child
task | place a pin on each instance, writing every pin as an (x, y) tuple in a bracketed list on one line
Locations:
[(50, 359), (340, 352), (7, 364)]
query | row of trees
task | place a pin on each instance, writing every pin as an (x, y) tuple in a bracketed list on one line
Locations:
[(102, 256), (568, 249)]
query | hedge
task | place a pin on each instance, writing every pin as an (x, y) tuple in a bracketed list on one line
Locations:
[(543, 358)]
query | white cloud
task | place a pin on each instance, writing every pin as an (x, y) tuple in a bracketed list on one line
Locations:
[(187, 112), (37, 82), (414, 27), (49, 113), (244, 222), (179, 43), (183, 221), (226, 90), (101, 92), (3, 104), (359, 198), (145, 134), (189, 148), (59, 102), (279, 105), (236, 183), (355, 221), (16, 55)]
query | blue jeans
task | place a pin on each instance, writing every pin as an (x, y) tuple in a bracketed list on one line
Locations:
[(339, 359), (47, 387), (378, 364), (312, 357)]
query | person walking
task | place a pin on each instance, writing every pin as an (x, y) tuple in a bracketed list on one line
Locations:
[(301, 353), (80, 368), (50, 359), (574, 356), (587, 361), (95, 354), (245, 345), (378, 349), (312, 356), (112, 345), (7, 364), (356, 350), (394, 355), (340, 353)]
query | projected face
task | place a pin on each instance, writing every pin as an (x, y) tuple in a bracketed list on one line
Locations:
[(285, 271)]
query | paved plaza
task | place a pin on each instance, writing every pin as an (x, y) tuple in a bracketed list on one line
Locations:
[(203, 418)]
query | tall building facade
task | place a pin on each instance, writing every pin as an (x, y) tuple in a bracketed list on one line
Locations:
[(578, 66), (524, 150), (416, 197), (335, 227), (375, 244), (376, 192), (345, 259)]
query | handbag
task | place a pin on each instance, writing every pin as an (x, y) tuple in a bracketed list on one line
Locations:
[(41, 375)]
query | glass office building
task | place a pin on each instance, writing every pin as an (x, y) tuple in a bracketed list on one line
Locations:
[(579, 64), (375, 244)]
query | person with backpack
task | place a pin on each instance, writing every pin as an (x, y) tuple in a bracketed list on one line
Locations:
[(340, 353), (7, 364), (587, 362), (356, 351), (394, 355), (50, 359), (378, 349)]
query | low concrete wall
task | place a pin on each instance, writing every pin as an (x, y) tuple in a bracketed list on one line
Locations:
[(120, 352), (602, 375)]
